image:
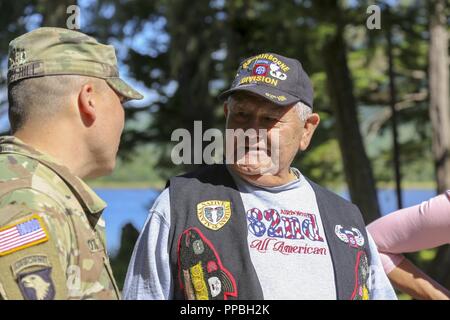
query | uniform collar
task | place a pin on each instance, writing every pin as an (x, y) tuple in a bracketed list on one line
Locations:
[(88, 198)]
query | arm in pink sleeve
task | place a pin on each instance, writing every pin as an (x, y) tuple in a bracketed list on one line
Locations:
[(412, 229), (390, 261)]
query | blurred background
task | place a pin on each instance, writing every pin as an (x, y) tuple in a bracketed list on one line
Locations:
[(380, 75)]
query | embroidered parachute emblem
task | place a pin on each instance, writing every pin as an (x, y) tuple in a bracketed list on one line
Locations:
[(352, 237)]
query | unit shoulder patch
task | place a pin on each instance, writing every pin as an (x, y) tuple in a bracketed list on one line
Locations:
[(37, 285), (28, 262)]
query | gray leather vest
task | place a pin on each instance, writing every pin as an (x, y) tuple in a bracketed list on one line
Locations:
[(211, 264)]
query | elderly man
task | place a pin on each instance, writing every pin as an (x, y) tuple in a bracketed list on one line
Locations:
[(66, 115), (257, 228)]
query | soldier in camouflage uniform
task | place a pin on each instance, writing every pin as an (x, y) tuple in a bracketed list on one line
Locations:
[(52, 235)]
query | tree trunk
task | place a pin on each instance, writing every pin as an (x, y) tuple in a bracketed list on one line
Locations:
[(438, 73), (357, 167), (394, 118), (439, 93), (192, 67)]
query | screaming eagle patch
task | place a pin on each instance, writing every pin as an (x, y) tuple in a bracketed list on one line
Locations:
[(214, 214), (37, 285), (201, 273)]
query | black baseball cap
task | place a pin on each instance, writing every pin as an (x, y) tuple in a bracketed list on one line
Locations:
[(278, 79)]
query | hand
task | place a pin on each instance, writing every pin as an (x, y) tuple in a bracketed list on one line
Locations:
[(413, 281)]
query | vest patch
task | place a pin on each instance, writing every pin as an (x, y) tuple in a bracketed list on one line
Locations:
[(201, 273), (352, 237), (214, 214), (361, 291)]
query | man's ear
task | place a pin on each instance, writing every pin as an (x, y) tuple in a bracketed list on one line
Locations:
[(86, 104), (308, 130)]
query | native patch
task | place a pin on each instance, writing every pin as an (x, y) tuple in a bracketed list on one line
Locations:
[(201, 273), (22, 234), (352, 237), (37, 285), (214, 214)]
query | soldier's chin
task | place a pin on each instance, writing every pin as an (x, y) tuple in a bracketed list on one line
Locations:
[(108, 168), (101, 170)]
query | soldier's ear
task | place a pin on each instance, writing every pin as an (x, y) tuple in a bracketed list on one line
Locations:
[(86, 104)]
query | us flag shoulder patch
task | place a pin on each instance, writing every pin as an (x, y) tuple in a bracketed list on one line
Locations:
[(22, 234)]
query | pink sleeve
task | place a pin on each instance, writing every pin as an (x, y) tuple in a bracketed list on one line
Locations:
[(412, 229), (390, 261)]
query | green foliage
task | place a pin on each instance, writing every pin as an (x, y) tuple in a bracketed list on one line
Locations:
[(186, 52), (323, 164)]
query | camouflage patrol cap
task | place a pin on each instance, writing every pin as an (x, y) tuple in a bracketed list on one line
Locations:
[(57, 51)]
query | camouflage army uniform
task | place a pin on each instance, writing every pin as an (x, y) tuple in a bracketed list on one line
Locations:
[(70, 259), (52, 236)]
